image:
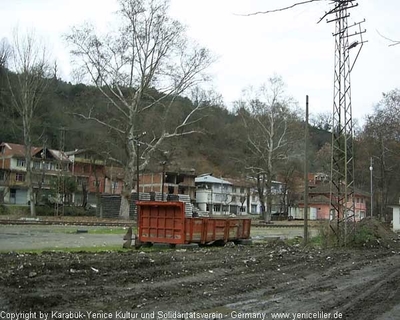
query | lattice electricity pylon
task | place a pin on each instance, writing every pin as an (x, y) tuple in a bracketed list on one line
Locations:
[(342, 161)]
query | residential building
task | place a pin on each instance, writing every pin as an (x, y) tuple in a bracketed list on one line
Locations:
[(47, 165), (181, 182), (93, 176), (225, 196), (320, 207)]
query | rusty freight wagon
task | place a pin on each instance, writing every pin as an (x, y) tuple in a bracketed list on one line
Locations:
[(165, 222)]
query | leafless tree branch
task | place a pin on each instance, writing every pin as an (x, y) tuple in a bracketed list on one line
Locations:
[(394, 42), (280, 9)]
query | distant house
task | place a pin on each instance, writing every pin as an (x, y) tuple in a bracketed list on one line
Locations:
[(320, 206), (47, 166), (93, 175), (224, 196)]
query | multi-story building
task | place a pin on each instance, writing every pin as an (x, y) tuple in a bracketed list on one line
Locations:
[(48, 166), (93, 176), (181, 182), (238, 196), (225, 196)]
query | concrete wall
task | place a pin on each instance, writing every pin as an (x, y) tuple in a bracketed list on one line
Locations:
[(396, 219)]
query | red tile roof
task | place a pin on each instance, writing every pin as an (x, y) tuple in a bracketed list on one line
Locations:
[(16, 150)]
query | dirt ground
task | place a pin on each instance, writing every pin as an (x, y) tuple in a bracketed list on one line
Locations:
[(262, 281)]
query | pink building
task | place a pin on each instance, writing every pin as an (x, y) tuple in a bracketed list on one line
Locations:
[(319, 198)]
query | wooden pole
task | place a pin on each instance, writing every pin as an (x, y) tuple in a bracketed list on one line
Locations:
[(306, 177)]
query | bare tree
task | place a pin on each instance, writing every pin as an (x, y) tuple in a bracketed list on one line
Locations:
[(381, 137), (140, 69), (322, 120), (267, 118), (5, 52), (30, 64), (295, 4)]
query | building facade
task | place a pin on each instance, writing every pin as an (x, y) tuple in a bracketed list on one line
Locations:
[(320, 207), (222, 196), (50, 169), (181, 182)]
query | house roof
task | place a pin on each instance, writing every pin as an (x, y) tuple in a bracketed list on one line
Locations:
[(16, 150), (211, 179), (319, 200), (240, 182), (326, 189), (59, 155)]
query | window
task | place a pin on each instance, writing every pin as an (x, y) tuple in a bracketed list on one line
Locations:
[(241, 190), (96, 183), (233, 189), (217, 207), (19, 177), (36, 165), (20, 163), (233, 198), (2, 176)]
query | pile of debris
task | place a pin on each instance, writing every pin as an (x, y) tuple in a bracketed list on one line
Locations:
[(371, 232)]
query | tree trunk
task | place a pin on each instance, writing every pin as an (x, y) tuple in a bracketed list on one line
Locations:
[(125, 204), (84, 194), (28, 158), (268, 212)]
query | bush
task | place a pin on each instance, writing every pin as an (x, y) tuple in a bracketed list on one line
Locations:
[(14, 210), (44, 211), (68, 211), (3, 209), (363, 235)]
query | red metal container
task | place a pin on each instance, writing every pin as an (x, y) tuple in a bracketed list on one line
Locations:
[(165, 222)]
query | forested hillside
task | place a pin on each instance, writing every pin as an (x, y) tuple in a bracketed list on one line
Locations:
[(217, 145), (234, 142)]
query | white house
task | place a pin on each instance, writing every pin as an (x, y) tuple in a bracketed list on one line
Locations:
[(220, 196)]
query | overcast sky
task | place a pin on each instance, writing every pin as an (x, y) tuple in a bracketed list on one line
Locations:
[(249, 49)]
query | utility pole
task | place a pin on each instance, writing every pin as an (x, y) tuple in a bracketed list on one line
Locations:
[(60, 174), (371, 168), (163, 180), (342, 159), (137, 173), (306, 177)]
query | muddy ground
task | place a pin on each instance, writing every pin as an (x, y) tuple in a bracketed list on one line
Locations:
[(231, 282)]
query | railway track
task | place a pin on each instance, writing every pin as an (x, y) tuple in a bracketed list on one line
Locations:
[(118, 224), (66, 223)]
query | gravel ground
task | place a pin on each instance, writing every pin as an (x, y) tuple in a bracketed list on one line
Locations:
[(54, 237), (226, 282), (259, 281)]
